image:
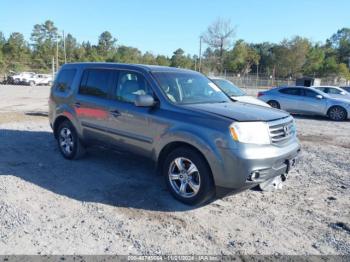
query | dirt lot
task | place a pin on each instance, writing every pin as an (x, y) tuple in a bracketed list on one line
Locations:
[(111, 202)]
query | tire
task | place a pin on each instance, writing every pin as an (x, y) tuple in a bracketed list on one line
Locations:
[(274, 104), (68, 141), (192, 186), (31, 83), (337, 113)]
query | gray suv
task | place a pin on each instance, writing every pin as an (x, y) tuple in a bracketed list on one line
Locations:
[(202, 142)]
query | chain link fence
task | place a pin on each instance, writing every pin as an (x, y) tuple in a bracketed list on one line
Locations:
[(264, 82)]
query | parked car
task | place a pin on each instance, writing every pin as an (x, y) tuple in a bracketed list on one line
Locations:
[(20, 77), (307, 100), (346, 88), (236, 93), (203, 143), (334, 91), (38, 79)]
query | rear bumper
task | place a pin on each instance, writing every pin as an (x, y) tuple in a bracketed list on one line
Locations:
[(250, 165)]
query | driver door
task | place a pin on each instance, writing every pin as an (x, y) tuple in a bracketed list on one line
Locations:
[(131, 124)]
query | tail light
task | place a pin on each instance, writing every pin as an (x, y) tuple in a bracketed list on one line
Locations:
[(260, 94)]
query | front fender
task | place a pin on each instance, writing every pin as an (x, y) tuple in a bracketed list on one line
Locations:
[(203, 141)]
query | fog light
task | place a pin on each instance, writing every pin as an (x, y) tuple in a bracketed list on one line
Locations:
[(254, 176)]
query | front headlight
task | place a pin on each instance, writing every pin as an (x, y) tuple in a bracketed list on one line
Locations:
[(251, 132)]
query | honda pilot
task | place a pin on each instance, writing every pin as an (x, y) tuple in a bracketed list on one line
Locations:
[(203, 142)]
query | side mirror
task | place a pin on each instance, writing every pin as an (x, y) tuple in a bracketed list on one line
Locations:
[(144, 101), (319, 97)]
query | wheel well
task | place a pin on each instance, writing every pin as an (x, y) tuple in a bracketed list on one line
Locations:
[(174, 145), (272, 100), (59, 120), (329, 109)]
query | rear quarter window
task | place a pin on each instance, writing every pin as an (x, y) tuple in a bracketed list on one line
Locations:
[(64, 80)]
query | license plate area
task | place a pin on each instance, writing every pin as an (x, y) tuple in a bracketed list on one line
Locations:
[(291, 163)]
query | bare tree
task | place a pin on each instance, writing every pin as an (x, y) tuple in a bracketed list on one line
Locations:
[(219, 36)]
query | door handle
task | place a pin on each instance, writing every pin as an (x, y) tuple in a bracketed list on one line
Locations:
[(77, 104), (115, 113)]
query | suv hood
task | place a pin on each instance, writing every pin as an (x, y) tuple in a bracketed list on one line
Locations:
[(240, 111), (250, 100)]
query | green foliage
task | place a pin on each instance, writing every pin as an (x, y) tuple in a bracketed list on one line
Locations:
[(179, 59), (241, 58), (106, 44)]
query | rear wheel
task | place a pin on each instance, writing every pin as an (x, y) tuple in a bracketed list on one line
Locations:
[(68, 141), (188, 176), (337, 113), (274, 104)]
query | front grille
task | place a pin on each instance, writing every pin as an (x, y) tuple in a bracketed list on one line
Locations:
[(281, 131)]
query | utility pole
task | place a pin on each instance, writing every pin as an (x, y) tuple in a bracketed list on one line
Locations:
[(53, 67), (64, 48), (200, 54)]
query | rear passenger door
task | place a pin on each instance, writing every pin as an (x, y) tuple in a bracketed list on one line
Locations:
[(93, 102), (131, 124), (290, 99)]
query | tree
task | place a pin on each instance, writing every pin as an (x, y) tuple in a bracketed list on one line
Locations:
[(219, 35), (149, 59), (71, 48), (340, 41), (314, 61), (162, 60), (91, 53), (241, 58), (16, 52), (343, 71), (106, 44), (44, 37), (2, 43), (180, 60), (127, 54)]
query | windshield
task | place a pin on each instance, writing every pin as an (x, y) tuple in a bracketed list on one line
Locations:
[(189, 88), (228, 87)]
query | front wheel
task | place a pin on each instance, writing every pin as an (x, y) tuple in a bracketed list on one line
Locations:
[(337, 113), (31, 83), (69, 142), (188, 176)]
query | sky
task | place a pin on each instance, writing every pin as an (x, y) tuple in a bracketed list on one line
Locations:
[(162, 26)]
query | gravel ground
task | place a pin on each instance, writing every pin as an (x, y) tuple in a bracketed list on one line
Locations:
[(112, 202)]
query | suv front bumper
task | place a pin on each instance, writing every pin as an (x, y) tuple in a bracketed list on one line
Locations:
[(249, 165)]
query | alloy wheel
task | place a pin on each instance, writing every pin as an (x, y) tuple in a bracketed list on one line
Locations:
[(184, 177), (66, 141), (337, 114)]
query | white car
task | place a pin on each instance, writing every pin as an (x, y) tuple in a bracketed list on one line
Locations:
[(334, 91), (38, 79), (236, 93), (19, 78)]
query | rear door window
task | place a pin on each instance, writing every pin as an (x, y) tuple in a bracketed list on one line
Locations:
[(96, 82), (291, 91), (64, 80)]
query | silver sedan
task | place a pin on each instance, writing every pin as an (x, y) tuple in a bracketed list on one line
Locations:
[(334, 91), (307, 100)]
